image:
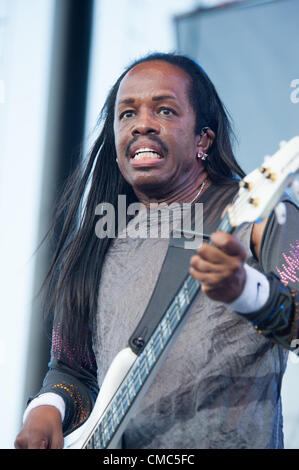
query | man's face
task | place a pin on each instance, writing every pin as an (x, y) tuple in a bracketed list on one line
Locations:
[(154, 126)]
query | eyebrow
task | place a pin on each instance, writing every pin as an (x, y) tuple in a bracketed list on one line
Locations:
[(155, 98), (163, 97)]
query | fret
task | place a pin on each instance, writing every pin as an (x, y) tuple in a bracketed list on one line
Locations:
[(144, 358), (139, 377), (107, 433), (186, 291), (164, 332), (143, 368), (123, 409), (113, 424), (115, 412), (110, 422), (181, 298), (104, 431), (131, 390), (178, 313), (151, 354), (174, 317), (97, 440), (168, 325), (127, 394), (159, 342)]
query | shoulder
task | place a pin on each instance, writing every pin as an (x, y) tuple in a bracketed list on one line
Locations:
[(270, 224)]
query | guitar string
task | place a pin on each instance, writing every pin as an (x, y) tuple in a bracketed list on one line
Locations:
[(142, 359), (224, 225), (132, 379), (114, 418), (106, 428)]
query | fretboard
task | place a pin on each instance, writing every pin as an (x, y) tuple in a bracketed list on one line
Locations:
[(142, 367)]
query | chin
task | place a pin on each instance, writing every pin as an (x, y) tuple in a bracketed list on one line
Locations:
[(150, 183)]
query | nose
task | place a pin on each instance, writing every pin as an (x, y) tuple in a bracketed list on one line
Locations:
[(145, 124)]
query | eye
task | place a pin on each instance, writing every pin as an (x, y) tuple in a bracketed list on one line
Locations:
[(166, 111), (126, 114)]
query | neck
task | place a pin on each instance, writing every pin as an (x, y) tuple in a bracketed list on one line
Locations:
[(187, 192)]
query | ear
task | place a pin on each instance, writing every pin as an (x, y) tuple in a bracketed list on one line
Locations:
[(205, 140)]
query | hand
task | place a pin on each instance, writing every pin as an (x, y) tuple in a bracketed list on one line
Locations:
[(220, 268), (42, 429)]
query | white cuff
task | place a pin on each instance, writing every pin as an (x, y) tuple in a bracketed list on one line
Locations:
[(50, 399), (255, 293)]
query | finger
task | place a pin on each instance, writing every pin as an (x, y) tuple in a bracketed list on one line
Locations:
[(20, 442), (38, 443), (205, 266), (57, 442), (229, 244), (212, 254), (213, 280)]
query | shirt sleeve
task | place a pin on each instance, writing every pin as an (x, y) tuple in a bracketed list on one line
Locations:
[(72, 375), (279, 260), (280, 246)]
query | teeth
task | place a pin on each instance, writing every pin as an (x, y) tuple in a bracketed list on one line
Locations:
[(146, 153)]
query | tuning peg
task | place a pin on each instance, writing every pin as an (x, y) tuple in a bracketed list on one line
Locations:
[(246, 185), (281, 213), (254, 201), (264, 167), (272, 176)]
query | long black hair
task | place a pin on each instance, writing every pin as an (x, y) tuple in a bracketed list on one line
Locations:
[(72, 282)]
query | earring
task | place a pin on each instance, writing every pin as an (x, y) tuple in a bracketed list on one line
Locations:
[(203, 156)]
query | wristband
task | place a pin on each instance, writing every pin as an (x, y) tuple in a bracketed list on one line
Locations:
[(255, 293), (49, 399)]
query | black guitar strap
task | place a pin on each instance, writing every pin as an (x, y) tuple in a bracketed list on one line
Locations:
[(175, 268), (172, 275)]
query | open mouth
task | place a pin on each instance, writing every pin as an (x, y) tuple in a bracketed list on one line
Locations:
[(146, 154)]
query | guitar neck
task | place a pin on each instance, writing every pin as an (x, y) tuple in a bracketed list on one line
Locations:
[(142, 368), (225, 225)]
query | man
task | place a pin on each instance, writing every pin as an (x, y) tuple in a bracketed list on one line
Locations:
[(166, 138)]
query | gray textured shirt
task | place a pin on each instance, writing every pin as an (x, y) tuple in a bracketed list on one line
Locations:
[(219, 385)]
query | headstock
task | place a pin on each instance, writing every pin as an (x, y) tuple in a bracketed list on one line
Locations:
[(261, 189)]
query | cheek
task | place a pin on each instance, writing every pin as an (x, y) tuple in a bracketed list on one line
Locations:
[(118, 147), (116, 133), (185, 145)]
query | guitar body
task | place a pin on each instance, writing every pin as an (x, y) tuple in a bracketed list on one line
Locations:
[(113, 379)]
